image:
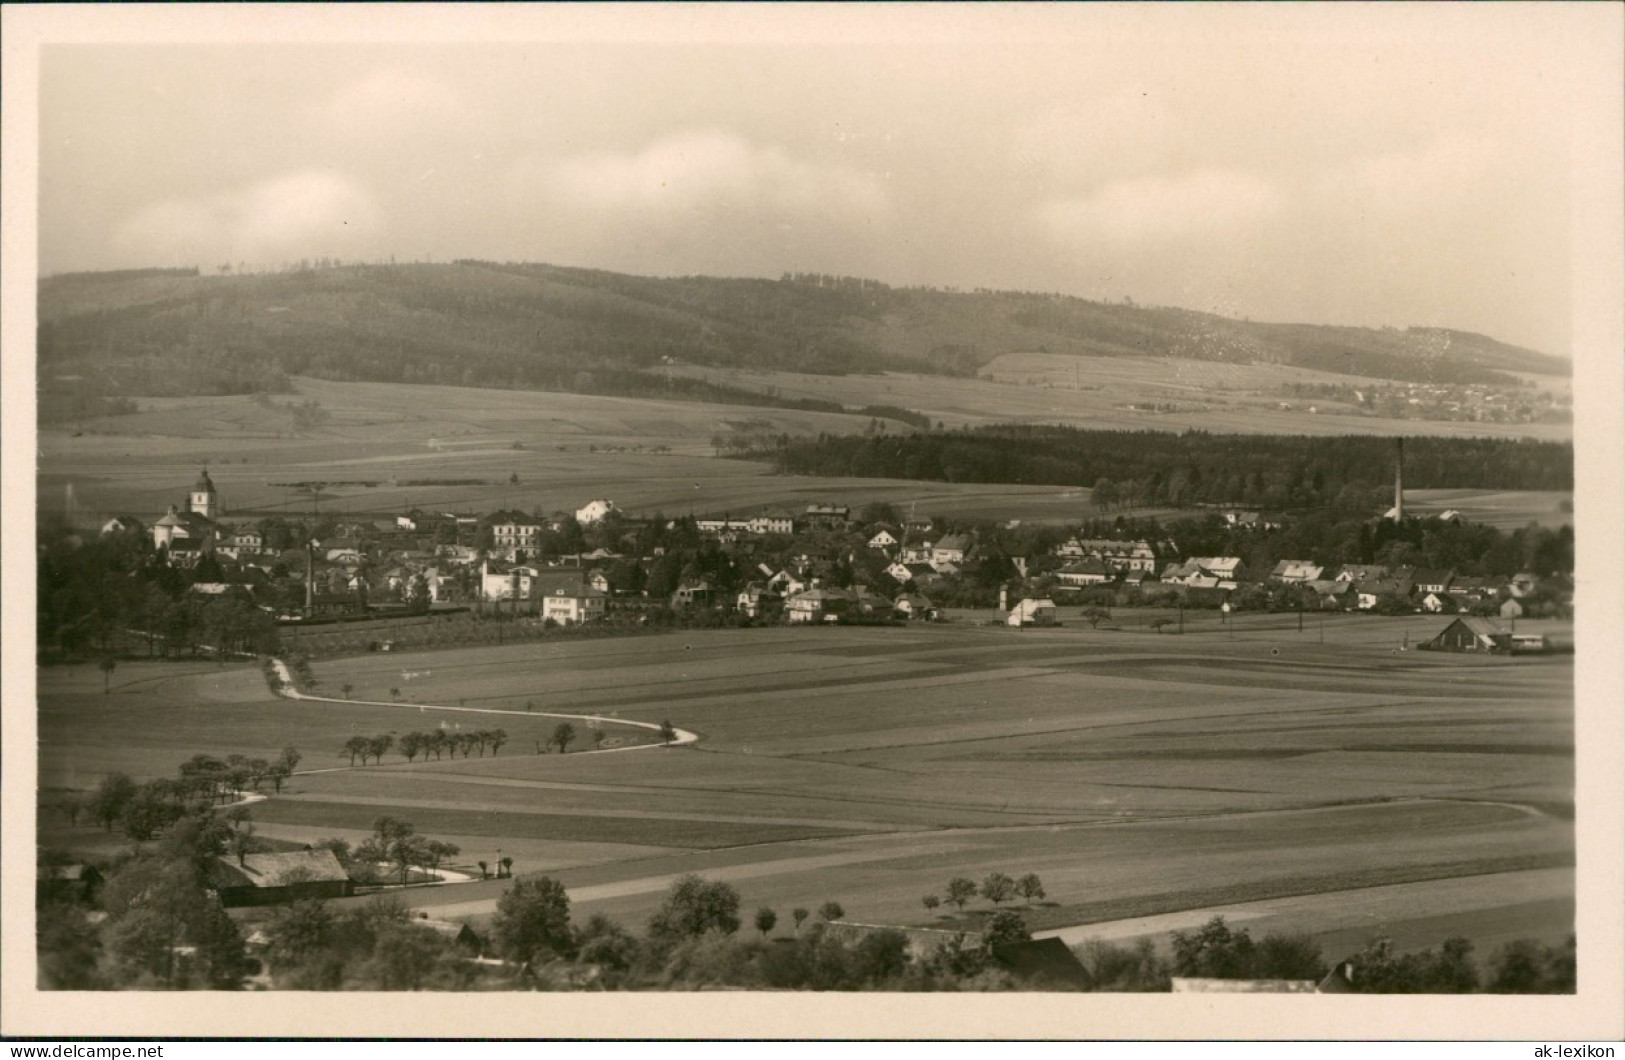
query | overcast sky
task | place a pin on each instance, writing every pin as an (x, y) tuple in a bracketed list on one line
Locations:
[(1360, 165)]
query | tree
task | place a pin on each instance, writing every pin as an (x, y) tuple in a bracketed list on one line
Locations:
[(112, 795), (107, 666), (533, 921), (765, 920), (1157, 625), (1530, 967), (498, 737), (668, 732), (356, 745), (376, 747), (347, 688), (961, 889), (693, 906), (563, 736), (506, 863), (799, 915), (405, 955), (931, 902), (278, 773), (997, 887), (1213, 951), (1030, 887), (1095, 616), (831, 911), (411, 743), (436, 851), (1004, 927), (407, 852)]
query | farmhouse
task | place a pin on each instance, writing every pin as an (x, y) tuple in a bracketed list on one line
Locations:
[(266, 879), (1472, 634)]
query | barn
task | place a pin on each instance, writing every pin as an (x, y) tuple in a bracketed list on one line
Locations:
[(267, 879), (1472, 634)]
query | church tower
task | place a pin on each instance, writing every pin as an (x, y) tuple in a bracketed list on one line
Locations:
[(205, 500)]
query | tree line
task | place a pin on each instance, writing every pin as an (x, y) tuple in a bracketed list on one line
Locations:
[(1158, 468)]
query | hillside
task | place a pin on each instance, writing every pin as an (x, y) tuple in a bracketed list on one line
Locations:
[(178, 332)]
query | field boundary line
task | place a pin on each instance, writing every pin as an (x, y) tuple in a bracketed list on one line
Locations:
[(287, 690)]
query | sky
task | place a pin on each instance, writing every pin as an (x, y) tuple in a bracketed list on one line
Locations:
[(1373, 166)]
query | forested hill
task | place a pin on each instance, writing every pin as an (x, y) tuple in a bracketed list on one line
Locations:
[(540, 326), (1136, 468)]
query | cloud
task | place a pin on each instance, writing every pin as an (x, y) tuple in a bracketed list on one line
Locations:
[(1204, 203), (300, 214), (695, 169), (699, 201)]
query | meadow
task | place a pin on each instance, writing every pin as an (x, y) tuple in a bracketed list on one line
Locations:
[(386, 448), (1138, 773)]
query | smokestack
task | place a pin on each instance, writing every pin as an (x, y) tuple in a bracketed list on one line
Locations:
[(1399, 480)]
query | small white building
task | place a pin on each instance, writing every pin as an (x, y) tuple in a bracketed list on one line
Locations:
[(1030, 612), (594, 511)]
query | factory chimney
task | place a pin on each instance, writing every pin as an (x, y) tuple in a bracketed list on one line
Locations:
[(1399, 480)]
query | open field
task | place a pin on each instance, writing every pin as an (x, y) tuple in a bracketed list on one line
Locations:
[(389, 447), (1137, 773), (1096, 392)]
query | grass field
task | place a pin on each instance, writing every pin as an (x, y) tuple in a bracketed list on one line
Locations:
[(389, 447), (1096, 392), (1137, 773)]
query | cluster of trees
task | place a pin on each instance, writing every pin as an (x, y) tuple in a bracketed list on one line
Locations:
[(394, 844), (92, 593), (996, 887), (164, 928), (692, 942), (1151, 468), (144, 810)]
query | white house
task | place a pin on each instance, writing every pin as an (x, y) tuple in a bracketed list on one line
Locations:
[(594, 511), (882, 540), (568, 606)]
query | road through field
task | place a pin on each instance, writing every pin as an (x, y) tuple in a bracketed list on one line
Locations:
[(1533, 903), (682, 736)]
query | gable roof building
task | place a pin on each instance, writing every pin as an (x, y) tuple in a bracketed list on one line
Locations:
[(265, 879)]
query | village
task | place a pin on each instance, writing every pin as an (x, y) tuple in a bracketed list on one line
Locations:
[(826, 563)]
